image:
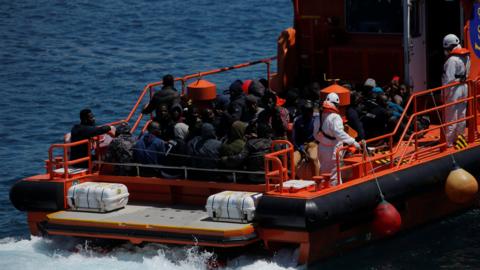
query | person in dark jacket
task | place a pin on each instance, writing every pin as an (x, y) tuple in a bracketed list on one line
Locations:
[(85, 130), (234, 143), (256, 88), (237, 102), (251, 158), (376, 119), (120, 150), (150, 149), (167, 95), (166, 122), (204, 151), (303, 126), (274, 116), (354, 115), (252, 110)]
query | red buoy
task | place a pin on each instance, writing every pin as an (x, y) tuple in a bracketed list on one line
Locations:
[(387, 219)]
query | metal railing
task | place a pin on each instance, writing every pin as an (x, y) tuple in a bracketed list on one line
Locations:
[(186, 170), (279, 165), (150, 87), (64, 161), (413, 139)]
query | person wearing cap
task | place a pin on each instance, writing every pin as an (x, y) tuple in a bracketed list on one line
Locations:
[(455, 70), (368, 85), (328, 130)]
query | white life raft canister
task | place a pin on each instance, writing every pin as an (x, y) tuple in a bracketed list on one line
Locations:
[(232, 206), (97, 196)]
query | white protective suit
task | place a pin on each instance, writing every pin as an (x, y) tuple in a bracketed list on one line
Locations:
[(332, 125), (455, 67)]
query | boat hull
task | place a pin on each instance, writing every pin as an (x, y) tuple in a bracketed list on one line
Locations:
[(325, 225)]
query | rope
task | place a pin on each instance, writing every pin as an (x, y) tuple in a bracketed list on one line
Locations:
[(382, 197)]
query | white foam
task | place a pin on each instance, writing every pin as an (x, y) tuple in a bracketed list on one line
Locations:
[(66, 253)]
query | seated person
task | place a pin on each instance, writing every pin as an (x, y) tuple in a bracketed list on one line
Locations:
[(204, 150), (252, 156), (85, 130), (304, 141), (150, 149), (235, 142), (251, 109), (274, 116), (176, 155), (120, 150)]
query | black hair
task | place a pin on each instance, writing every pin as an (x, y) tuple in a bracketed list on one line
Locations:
[(84, 114), (168, 80)]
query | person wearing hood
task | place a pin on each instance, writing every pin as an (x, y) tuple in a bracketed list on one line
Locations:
[(176, 153), (204, 151), (455, 69), (237, 102), (328, 130), (256, 88), (235, 141), (120, 150), (251, 158)]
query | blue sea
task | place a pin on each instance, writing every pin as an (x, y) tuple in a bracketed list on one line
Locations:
[(57, 57)]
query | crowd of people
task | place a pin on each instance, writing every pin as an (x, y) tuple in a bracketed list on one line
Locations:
[(237, 130)]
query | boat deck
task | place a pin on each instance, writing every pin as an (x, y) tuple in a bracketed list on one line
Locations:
[(141, 223)]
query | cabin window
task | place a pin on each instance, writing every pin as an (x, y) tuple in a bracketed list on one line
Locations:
[(374, 16)]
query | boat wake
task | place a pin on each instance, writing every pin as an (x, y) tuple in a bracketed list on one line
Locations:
[(72, 254)]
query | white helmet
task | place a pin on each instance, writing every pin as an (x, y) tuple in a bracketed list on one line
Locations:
[(333, 98), (450, 41)]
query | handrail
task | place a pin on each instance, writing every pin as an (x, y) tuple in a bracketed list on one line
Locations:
[(184, 80), (65, 161), (185, 169), (279, 163), (147, 89)]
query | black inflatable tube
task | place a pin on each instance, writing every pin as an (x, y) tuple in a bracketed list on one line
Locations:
[(346, 204), (37, 196)]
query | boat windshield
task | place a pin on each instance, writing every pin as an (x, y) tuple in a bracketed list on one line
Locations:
[(374, 16)]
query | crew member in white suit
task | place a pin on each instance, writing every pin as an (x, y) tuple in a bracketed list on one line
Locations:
[(455, 69), (328, 130)]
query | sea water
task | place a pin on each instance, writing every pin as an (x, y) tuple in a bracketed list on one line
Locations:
[(58, 57)]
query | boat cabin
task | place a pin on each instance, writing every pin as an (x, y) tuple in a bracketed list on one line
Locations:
[(357, 39)]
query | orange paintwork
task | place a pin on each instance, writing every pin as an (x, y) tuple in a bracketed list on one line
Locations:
[(202, 90)]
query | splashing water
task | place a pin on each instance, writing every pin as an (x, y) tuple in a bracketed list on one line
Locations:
[(66, 253)]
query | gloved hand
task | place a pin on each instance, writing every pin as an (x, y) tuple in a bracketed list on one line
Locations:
[(357, 146)]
